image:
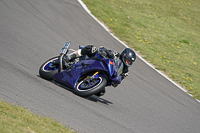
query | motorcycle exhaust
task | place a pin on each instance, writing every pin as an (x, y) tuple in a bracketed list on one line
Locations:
[(64, 52)]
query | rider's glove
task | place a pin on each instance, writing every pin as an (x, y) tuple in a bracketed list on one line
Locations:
[(123, 75)]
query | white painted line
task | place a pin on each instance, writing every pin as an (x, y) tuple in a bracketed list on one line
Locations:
[(88, 11)]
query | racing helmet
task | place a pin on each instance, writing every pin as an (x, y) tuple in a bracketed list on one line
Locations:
[(128, 56)]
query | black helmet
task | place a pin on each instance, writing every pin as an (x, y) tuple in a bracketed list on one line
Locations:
[(128, 56)]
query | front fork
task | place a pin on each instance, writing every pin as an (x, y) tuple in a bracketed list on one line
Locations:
[(95, 74), (89, 78)]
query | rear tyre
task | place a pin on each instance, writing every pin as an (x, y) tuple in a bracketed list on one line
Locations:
[(86, 89), (48, 70)]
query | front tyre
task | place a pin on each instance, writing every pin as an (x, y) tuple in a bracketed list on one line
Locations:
[(87, 88), (48, 70)]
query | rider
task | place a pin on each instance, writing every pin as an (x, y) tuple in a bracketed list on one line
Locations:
[(127, 56)]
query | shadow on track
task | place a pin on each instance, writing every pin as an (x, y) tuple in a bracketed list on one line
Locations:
[(98, 99), (92, 98)]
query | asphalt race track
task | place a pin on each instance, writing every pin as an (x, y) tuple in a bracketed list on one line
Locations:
[(32, 31)]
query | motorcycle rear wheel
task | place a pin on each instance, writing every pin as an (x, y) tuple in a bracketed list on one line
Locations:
[(47, 70), (87, 89)]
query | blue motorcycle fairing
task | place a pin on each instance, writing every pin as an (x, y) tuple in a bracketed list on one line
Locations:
[(71, 77), (111, 66), (116, 80)]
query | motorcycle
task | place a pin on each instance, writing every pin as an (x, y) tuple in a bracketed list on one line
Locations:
[(85, 75)]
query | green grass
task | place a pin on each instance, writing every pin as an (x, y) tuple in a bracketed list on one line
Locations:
[(166, 33), (14, 119)]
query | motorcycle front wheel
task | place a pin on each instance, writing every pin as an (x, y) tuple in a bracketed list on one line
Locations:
[(87, 87), (48, 70)]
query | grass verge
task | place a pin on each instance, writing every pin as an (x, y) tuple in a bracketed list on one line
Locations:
[(14, 119), (165, 32)]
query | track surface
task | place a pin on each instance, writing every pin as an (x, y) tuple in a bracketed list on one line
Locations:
[(32, 31)]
